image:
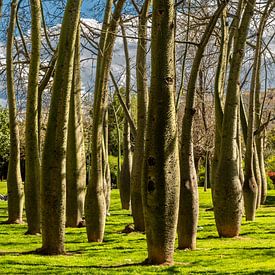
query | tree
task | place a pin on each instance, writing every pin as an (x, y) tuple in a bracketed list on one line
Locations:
[(189, 204), (95, 204), (161, 178), (76, 158), (32, 180), (53, 173), (126, 169), (142, 97), (14, 181), (227, 195)]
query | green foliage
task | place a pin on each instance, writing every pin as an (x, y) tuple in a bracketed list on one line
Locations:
[(251, 253), (270, 185), (114, 168), (114, 106), (4, 134), (201, 175), (270, 164)]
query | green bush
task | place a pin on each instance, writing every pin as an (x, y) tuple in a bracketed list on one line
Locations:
[(270, 185), (114, 168)]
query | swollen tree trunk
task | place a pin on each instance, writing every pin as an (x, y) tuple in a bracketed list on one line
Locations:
[(189, 204), (53, 173), (32, 181), (142, 103), (76, 159), (126, 169), (14, 181), (227, 197), (219, 95), (160, 188), (95, 205)]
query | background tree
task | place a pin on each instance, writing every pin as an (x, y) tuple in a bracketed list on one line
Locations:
[(142, 106), (14, 181), (227, 197), (189, 204), (95, 208), (75, 158), (32, 180)]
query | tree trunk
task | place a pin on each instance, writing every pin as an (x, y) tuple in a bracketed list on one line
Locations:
[(14, 181), (95, 208), (161, 178), (189, 201), (125, 192), (228, 192), (219, 95), (259, 138), (106, 171), (142, 107), (75, 159), (53, 174), (32, 181)]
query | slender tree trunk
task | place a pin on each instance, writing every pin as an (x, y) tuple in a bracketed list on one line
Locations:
[(219, 95), (32, 181), (161, 176), (189, 201), (228, 192), (53, 173), (95, 205), (76, 159), (142, 106), (14, 181), (259, 138), (118, 148), (125, 193), (107, 172)]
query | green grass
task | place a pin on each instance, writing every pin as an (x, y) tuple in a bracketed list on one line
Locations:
[(252, 253)]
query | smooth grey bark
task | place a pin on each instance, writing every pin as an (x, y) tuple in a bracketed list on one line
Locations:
[(14, 181), (189, 201), (32, 180), (53, 173), (75, 158), (142, 106), (227, 197), (95, 204), (161, 178), (126, 169)]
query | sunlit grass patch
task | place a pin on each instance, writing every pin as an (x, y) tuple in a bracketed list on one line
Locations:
[(251, 253)]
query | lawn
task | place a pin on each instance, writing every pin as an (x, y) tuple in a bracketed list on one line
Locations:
[(251, 253)]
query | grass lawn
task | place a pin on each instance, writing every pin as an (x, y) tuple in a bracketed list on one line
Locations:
[(251, 253)]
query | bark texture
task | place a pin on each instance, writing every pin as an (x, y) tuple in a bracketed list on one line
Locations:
[(32, 181), (95, 204), (160, 188), (53, 174), (76, 159), (189, 204), (227, 197), (14, 181), (126, 169), (142, 106)]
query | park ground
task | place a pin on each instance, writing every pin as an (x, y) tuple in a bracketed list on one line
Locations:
[(253, 252)]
